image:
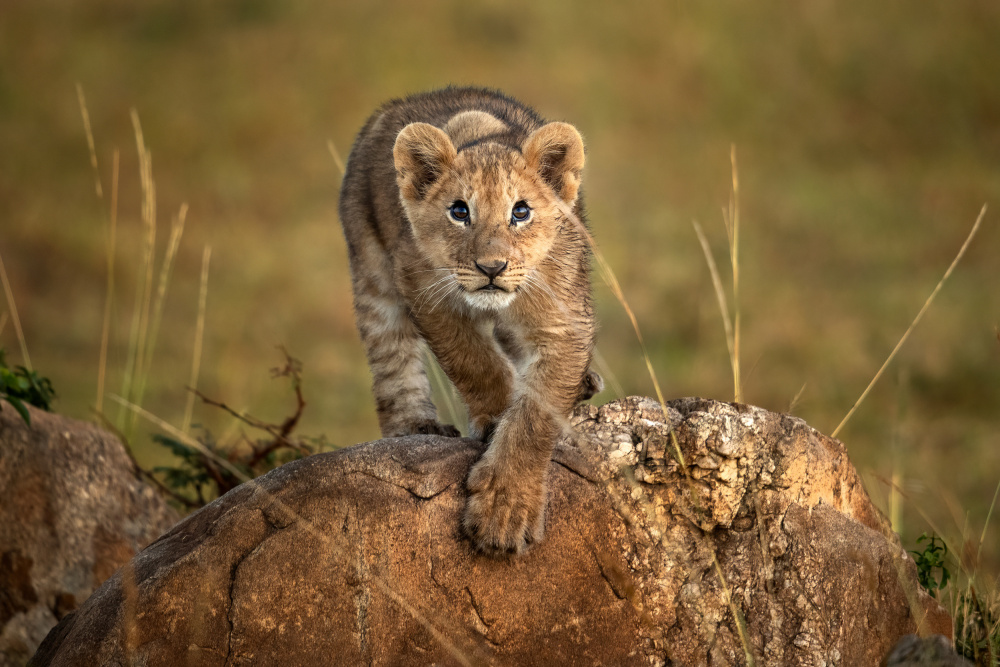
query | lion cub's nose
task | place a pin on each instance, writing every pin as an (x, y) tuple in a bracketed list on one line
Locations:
[(491, 269)]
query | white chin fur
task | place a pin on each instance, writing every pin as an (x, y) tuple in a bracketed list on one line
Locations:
[(492, 300)]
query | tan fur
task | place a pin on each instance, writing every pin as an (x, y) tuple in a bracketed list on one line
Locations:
[(519, 350)]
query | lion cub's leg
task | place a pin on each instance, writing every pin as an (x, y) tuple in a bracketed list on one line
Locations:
[(394, 348), (472, 359), (507, 489)]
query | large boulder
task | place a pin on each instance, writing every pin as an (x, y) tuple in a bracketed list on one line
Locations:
[(72, 511), (762, 542)]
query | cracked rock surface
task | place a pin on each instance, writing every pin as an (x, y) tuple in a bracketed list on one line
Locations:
[(72, 511), (761, 542)]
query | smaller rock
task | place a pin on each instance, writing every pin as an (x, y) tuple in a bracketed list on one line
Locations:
[(72, 511), (933, 651)]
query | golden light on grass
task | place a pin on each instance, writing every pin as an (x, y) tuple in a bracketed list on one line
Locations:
[(730, 323), (339, 161), (199, 335), (143, 294), (12, 307), (90, 140), (916, 320), (176, 231), (732, 221), (102, 365)]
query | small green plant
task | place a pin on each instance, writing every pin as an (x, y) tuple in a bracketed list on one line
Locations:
[(18, 386), (211, 469), (930, 559)]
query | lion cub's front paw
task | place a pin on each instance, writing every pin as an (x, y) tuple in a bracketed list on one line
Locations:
[(506, 510)]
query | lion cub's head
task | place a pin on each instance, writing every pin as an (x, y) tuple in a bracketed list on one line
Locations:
[(484, 214)]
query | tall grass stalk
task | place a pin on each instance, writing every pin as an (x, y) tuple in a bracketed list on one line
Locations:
[(741, 625), (176, 231), (339, 161), (730, 323), (199, 335), (916, 320), (102, 365), (608, 274), (604, 368), (732, 221), (111, 243), (12, 307), (895, 506), (90, 140), (986, 524), (794, 403), (445, 389), (720, 293), (143, 294)]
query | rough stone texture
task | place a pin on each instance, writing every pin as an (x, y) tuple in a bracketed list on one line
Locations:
[(72, 511), (933, 651), (356, 557)]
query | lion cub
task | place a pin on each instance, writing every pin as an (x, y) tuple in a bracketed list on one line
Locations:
[(456, 207)]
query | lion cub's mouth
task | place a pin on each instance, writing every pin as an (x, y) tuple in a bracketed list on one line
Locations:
[(490, 287)]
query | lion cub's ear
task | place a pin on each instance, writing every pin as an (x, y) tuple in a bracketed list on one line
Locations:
[(555, 150), (422, 153)]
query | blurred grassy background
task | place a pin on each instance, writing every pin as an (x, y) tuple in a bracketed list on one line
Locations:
[(868, 138)]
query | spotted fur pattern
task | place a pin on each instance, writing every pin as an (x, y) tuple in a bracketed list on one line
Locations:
[(503, 303)]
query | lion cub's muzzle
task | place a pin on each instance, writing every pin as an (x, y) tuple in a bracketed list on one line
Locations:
[(492, 270)]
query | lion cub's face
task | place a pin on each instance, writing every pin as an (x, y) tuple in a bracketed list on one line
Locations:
[(485, 217)]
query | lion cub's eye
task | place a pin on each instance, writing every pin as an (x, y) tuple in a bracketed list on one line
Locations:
[(459, 212), (520, 213)]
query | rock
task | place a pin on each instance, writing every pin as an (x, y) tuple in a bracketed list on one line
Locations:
[(933, 651), (72, 511), (764, 543)]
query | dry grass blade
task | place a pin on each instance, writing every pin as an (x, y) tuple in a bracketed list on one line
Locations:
[(180, 435), (336, 156), (176, 231), (732, 221), (720, 293), (986, 524), (102, 365), (424, 621), (445, 389), (794, 403), (604, 368), (143, 295), (916, 320), (199, 335), (731, 324), (612, 281), (90, 140), (13, 315), (741, 624)]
